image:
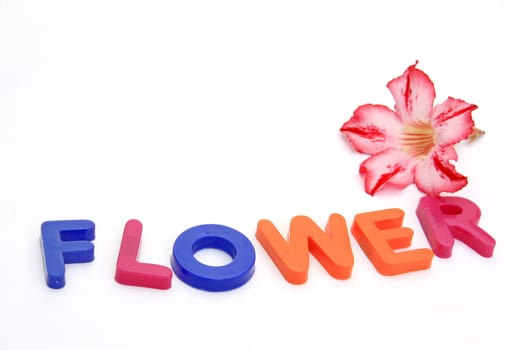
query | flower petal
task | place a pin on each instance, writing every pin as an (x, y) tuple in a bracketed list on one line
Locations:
[(414, 95), (389, 166), (435, 174), (372, 129), (452, 121)]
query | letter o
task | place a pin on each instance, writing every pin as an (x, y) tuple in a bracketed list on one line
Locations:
[(213, 278)]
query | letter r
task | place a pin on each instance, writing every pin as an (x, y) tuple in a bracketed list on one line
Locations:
[(446, 218), (65, 242)]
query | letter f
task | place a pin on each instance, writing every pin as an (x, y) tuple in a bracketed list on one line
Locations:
[(65, 242)]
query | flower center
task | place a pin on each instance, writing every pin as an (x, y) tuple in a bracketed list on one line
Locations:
[(417, 139)]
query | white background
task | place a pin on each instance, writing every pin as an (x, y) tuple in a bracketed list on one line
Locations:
[(180, 113)]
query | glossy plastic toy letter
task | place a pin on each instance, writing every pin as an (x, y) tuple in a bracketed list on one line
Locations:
[(130, 271), (65, 242), (332, 249), (213, 278), (446, 218), (379, 233)]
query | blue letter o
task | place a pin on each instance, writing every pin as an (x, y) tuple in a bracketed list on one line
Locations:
[(213, 278)]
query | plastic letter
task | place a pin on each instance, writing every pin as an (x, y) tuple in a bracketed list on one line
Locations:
[(213, 278), (130, 271), (379, 233), (332, 249), (65, 242), (446, 218)]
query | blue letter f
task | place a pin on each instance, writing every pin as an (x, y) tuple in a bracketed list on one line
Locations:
[(65, 242)]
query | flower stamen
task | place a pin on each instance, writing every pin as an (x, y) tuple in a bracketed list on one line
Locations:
[(418, 138)]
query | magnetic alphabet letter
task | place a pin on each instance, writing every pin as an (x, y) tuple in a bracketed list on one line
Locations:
[(447, 218), (65, 242)]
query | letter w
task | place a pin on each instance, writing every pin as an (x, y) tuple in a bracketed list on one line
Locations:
[(331, 248)]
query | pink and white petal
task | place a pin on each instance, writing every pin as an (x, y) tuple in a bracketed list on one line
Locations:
[(373, 128), (414, 95), (435, 173), (389, 166), (452, 121)]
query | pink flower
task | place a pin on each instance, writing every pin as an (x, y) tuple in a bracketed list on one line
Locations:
[(415, 142)]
